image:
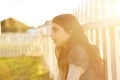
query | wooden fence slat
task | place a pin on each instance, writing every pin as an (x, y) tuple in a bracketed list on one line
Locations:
[(104, 37), (113, 54)]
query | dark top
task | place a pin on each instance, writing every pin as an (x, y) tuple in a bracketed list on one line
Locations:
[(78, 56)]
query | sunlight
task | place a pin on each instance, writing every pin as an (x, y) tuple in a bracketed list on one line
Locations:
[(116, 10), (35, 12), (112, 9)]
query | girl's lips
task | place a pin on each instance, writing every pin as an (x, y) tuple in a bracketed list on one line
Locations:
[(54, 40)]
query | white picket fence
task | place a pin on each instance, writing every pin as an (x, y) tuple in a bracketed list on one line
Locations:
[(25, 44), (101, 21), (18, 44), (108, 41)]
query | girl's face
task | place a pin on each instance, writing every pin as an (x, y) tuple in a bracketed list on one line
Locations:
[(59, 35)]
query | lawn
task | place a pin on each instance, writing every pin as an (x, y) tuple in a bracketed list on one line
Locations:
[(23, 68)]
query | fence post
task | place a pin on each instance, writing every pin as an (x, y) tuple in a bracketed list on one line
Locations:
[(113, 54), (0, 27), (104, 37)]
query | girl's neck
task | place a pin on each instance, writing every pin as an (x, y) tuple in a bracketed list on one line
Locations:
[(64, 46), (68, 45)]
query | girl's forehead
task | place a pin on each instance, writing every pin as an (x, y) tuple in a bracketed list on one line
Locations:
[(55, 25)]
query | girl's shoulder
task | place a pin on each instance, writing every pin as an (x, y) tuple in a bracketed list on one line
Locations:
[(78, 49), (78, 56)]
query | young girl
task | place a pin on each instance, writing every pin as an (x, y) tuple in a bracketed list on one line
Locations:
[(77, 58)]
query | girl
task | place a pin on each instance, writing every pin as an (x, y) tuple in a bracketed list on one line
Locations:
[(77, 58)]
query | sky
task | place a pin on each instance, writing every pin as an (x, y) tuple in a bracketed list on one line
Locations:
[(35, 12)]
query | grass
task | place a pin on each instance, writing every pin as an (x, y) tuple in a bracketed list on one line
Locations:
[(23, 68)]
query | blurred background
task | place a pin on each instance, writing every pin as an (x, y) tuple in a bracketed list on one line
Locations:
[(26, 49)]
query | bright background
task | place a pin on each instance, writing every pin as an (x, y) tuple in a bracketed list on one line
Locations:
[(35, 12)]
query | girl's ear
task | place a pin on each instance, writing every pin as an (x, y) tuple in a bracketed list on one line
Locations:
[(70, 31)]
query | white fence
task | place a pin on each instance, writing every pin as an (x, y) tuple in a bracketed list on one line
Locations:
[(108, 41), (23, 44), (20, 44), (101, 21)]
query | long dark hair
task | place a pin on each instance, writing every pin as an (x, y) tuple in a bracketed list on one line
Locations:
[(78, 37), (71, 24)]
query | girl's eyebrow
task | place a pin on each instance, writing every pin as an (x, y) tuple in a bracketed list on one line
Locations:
[(54, 28)]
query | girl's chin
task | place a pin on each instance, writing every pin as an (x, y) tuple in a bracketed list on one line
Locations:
[(57, 44)]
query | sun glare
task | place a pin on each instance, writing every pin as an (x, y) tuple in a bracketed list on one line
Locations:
[(35, 12), (116, 7)]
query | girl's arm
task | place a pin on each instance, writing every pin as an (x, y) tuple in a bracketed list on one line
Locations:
[(74, 72)]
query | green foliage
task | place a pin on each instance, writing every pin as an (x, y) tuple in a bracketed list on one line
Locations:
[(23, 68), (12, 25)]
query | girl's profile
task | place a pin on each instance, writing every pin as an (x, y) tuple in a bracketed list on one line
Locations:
[(77, 58)]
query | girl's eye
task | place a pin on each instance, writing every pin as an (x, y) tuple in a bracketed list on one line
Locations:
[(54, 29)]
